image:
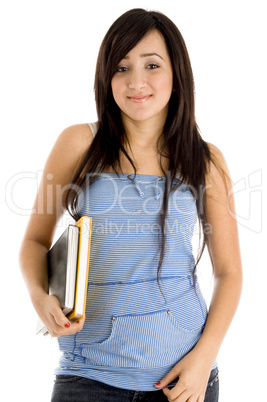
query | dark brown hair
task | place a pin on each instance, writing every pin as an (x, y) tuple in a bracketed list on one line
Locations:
[(188, 152)]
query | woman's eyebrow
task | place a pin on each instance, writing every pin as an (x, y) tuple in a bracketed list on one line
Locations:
[(145, 55), (151, 54)]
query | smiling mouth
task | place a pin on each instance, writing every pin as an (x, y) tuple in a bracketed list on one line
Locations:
[(139, 99)]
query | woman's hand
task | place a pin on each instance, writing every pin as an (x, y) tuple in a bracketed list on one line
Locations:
[(193, 375), (49, 310)]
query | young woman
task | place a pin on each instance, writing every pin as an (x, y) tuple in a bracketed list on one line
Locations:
[(144, 175)]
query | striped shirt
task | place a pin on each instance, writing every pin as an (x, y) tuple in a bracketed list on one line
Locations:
[(135, 330)]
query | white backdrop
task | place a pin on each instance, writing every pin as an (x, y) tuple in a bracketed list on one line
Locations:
[(48, 53)]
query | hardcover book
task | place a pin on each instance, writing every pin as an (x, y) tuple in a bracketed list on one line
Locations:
[(68, 269)]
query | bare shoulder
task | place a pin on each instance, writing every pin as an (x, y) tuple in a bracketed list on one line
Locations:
[(215, 151), (217, 170), (70, 147), (63, 161), (76, 138)]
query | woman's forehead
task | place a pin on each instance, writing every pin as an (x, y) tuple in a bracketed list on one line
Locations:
[(153, 44)]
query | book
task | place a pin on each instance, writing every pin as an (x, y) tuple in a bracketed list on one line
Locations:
[(85, 226), (68, 270)]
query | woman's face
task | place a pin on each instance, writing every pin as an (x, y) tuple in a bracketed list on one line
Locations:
[(143, 83)]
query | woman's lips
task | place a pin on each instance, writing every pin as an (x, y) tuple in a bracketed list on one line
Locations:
[(139, 99)]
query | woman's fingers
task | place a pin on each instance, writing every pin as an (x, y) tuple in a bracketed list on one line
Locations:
[(56, 330), (60, 318), (173, 396), (169, 378), (55, 320)]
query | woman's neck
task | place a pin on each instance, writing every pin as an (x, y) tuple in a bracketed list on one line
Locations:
[(143, 135)]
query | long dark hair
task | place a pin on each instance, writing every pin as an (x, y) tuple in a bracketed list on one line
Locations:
[(188, 152)]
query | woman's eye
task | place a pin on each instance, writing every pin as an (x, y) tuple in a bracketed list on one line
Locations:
[(152, 66), (121, 69)]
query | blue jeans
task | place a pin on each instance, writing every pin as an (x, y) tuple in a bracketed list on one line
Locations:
[(79, 389)]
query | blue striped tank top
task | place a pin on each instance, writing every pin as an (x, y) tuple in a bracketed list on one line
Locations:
[(136, 331)]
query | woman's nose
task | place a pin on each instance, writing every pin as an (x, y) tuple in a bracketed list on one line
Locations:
[(137, 80)]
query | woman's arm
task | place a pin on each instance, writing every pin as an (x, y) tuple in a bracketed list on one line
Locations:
[(61, 164), (223, 246), (224, 251)]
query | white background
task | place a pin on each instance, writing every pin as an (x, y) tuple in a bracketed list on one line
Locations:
[(48, 53)]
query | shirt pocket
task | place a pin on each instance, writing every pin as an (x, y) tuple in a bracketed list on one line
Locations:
[(142, 341)]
